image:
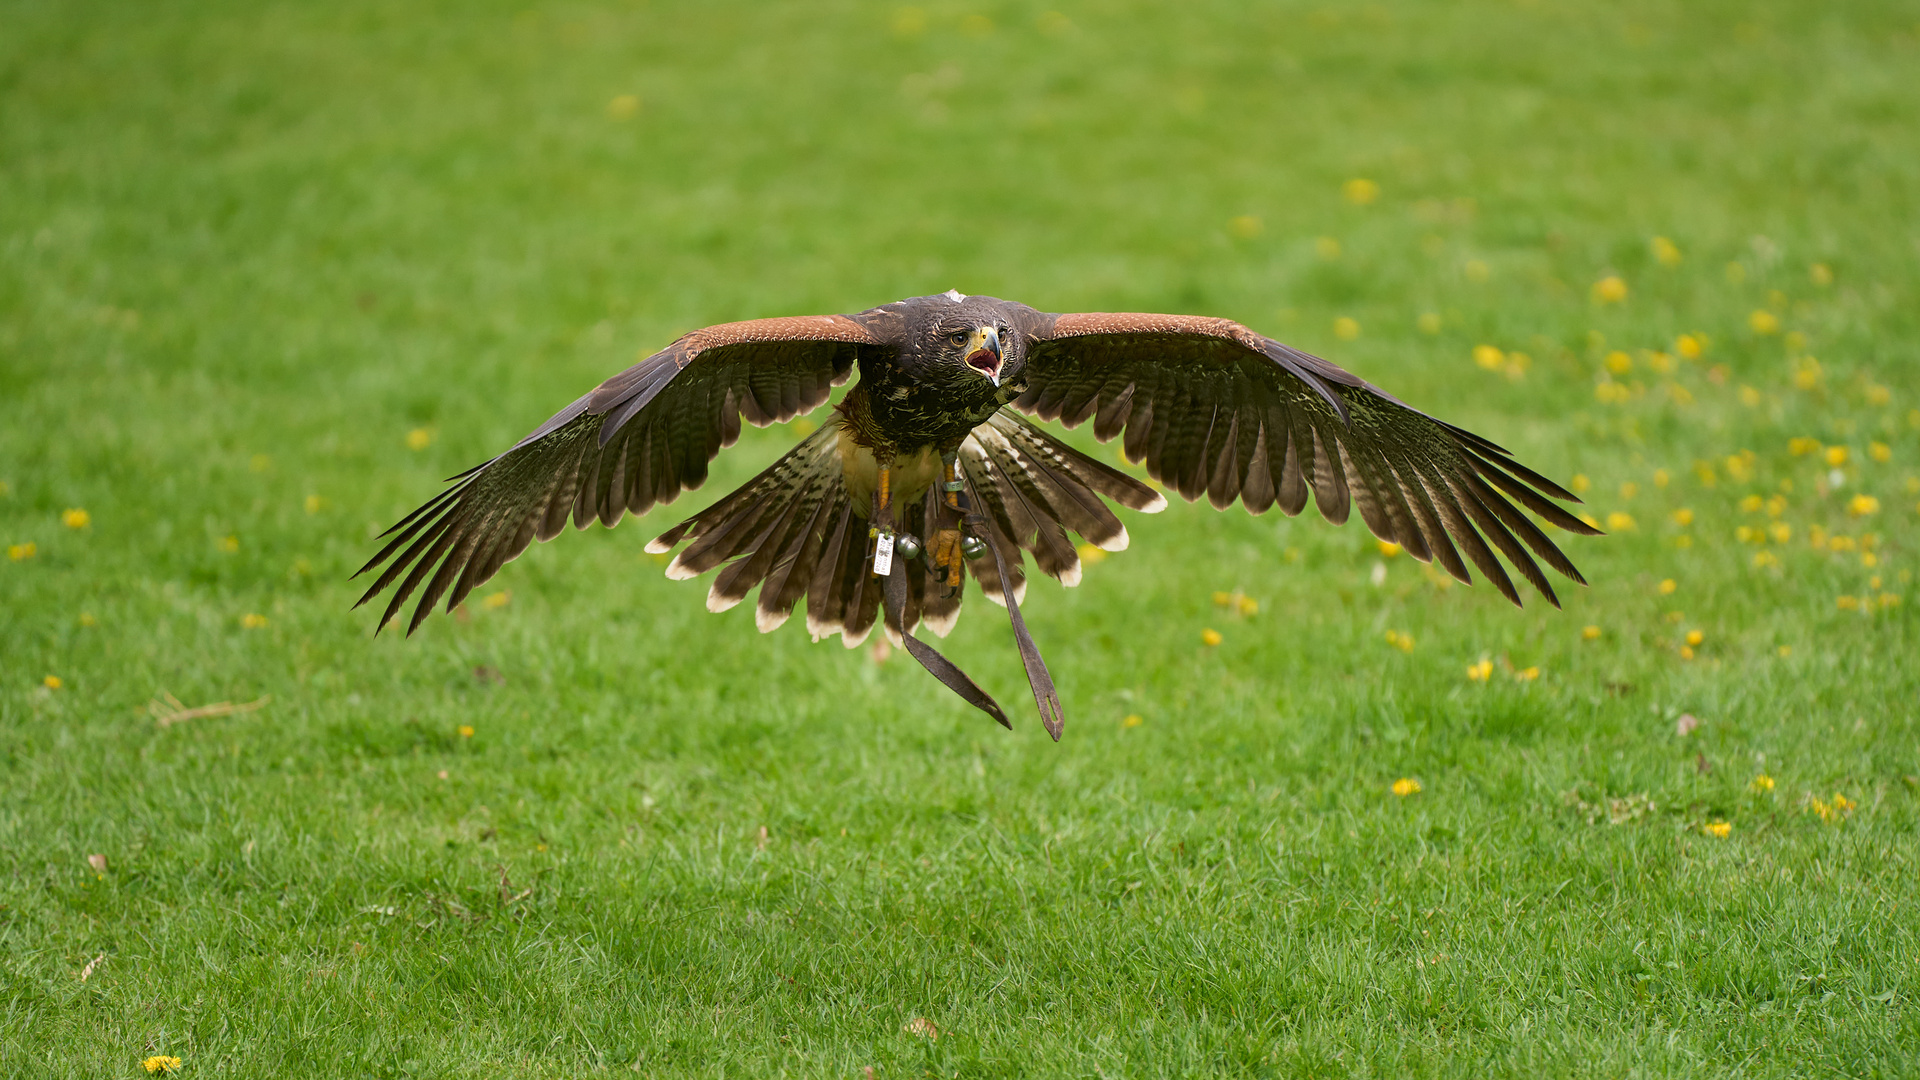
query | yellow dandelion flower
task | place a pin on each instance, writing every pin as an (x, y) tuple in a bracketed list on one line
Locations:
[(1689, 346), (1819, 806), (419, 438), (1718, 829), (1210, 637), (1245, 227), (1609, 290), (1695, 637), (1776, 505), (18, 552), (1589, 633), (251, 621), (1683, 541), (1862, 505), (1752, 504), (1360, 192), (1841, 543), (1661, 478), (1842, 804), (1619, 362), (75, 518), (1092, 553), (314, 504), (1667, 587), (1743, 534), (910, 21), (623, 106), (1878, 395), (1388, 549), (1481, 671), (1764, 559), (1406, 786), (1880, 451), (1581, 483), (496, 601), (1345, 328), (1686, 652), (1221, 598), (52, 682), (1869, 559), (1527, 674), (1847, 603), (1820, 274), (1836, 456), (1761, 784), (1664, 251), (1660, 362), (1629, 489), (466, 731), (1477, 270), (1785, 651), (1736, 272), (1780, 532), (1763, 321), (1132, 720), (1619, 522), (1676, 616), (229, 543), (1249, 606), (87, 618), (1749, 396), (1326, 247), (160, 1064), (1683, 517), (1740, 465), (1429, 322)]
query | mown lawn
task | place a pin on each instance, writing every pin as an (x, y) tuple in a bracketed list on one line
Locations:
[(269, 271)]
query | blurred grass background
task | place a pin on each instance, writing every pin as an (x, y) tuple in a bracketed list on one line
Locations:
[(269, 271)]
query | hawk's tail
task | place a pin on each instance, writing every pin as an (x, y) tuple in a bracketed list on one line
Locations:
[(795, 532)]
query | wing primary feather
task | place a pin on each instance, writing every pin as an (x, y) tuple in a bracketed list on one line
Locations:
[(1531, 499)]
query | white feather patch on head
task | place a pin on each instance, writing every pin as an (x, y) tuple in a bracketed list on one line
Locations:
[(954, 295)]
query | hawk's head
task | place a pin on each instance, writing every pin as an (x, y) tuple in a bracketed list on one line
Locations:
[(969, 338)]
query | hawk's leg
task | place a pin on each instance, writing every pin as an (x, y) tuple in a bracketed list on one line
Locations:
[(947, 558), (880, 553)]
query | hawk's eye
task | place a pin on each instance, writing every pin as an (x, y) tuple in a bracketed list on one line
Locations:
[(958, 337)]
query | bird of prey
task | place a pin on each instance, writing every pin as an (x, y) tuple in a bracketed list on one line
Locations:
[(929, 471)]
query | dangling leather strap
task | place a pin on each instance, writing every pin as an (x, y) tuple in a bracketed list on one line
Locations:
[(938, 666), (1038, 679)]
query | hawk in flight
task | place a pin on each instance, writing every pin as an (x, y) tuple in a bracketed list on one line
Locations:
[(929, 470)]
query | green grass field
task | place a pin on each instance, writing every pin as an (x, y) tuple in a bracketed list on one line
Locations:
[(269, 271)]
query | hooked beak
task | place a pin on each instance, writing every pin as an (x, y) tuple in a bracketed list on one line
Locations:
[(983, 353)]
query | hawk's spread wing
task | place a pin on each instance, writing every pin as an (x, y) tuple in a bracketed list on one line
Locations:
[(639, 438), (1216, 409)]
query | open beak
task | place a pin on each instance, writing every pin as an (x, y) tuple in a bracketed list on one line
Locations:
[(983, 353)]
